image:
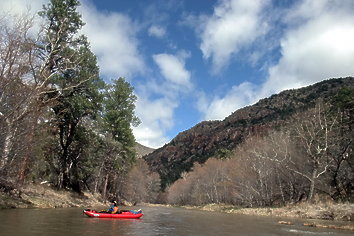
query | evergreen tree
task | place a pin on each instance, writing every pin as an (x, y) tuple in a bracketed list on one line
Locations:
[(119, 115), (71, 69)]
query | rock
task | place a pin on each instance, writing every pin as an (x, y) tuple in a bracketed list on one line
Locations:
[(285, 222)]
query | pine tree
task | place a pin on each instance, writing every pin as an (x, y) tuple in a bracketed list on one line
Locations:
[(71, 69), (119, 115)]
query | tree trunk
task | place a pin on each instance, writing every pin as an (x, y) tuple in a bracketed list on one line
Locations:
[(98, 178), (312, 184), (104, 193), (60, 180), (280, 186), (10, 133), (27, 154)]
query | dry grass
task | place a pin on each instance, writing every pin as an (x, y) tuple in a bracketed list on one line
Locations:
[(333, 212), (345, 227), (41, 196), (324, 211)]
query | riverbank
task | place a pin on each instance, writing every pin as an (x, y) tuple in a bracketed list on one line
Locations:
[(320, 210), (42, 196), (336, 215)]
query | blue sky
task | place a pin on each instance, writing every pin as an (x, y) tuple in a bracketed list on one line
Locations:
[(195, 60)]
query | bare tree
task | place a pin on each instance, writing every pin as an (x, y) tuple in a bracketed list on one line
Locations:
[(342, 170), (313, 131), (141, 184), (18, 91)]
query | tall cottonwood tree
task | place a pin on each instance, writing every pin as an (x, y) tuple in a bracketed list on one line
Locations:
[(314, 132)]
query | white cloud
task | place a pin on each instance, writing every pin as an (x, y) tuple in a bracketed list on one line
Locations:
[(319, 47), (234, 25), (21, 9), (113, 38), (316, 45), (157, 117), (150, 136), (157, 31), (220, 107), (158, 99), (173, 69), (21, 6)]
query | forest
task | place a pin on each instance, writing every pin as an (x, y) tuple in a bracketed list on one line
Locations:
[(61, 123)]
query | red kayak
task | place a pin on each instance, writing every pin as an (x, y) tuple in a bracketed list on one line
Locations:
[(123, 215)]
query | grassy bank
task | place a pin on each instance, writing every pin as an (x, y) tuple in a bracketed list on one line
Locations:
[(323, 211), (42, 196), (336, 216)]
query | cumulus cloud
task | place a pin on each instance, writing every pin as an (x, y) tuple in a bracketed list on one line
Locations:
[(318, 45), (113, 38), (21, 6), (157, 31), (235, 24), (158, 99), (221, 107), (157, 117), (173, 69)]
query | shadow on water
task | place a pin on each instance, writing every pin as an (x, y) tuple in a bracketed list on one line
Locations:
[(156, 221)]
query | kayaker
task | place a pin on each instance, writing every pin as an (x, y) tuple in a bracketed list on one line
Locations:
[(113, 208)]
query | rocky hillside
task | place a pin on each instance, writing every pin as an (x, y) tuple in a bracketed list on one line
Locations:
[(217, 138), (142, 150)]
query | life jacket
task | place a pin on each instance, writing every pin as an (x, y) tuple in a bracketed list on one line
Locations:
[(115, 210)]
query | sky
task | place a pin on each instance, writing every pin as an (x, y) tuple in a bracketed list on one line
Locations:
[(196, 60)]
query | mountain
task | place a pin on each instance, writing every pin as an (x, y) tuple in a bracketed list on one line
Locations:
[(142, 150), (217, 138)]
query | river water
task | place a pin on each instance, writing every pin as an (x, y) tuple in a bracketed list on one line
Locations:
[(156, 221)]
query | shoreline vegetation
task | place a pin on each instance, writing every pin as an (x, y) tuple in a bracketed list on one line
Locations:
[(337, 215), (321, 211), (332, 215)]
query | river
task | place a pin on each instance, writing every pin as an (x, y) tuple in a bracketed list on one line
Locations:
[(156, 221)]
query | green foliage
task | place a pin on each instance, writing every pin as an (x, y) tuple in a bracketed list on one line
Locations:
[(72, 69), (64, 18), (72, 106), (77, 129), (81, 108), (223, 153), (119, 115), (344, 100)]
